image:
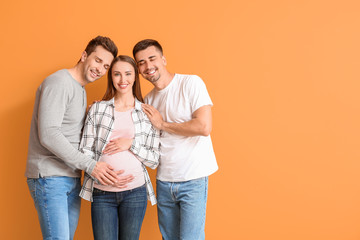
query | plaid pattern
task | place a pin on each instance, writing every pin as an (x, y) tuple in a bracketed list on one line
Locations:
[(96, 134)]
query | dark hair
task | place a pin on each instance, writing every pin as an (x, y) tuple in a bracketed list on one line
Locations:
[(144, 44), (105, 42), (111, 91)]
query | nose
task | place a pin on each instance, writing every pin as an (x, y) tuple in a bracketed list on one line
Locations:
[(100, 70), (148, 65)]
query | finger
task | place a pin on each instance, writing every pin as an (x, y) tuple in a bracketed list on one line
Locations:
[(147, 112), (113, 175), (119, 172), (108, 180), (101, 181), (130, 179), (125, 179), (151, 108), (108, 176), (114, 151), (110, 149), (111, 168), (110, 145), (120, 185), (146, 108), (123, 183)]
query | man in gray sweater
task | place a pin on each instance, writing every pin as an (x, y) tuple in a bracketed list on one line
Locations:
[(54, 164)]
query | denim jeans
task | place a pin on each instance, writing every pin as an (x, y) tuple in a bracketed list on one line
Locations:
[(118, 215), (182, 208), (57, 203)]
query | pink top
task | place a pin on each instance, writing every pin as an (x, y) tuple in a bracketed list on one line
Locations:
[(126, 160)]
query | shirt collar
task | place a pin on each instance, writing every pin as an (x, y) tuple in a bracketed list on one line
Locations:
[(137, 103)]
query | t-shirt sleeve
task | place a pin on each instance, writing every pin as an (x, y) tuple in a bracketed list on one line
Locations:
[(198, 94)]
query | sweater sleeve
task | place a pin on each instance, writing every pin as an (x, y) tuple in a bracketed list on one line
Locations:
[(52, 107)]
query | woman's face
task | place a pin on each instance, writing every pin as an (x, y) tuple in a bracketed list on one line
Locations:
[(123, 76)]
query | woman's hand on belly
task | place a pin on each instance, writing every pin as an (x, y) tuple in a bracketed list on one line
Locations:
[(123, 180), (118, 145)]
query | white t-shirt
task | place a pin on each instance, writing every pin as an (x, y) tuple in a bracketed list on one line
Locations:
[(183, 158)]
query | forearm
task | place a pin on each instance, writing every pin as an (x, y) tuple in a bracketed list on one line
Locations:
[(199, 125), (56, 142), (191, 128)]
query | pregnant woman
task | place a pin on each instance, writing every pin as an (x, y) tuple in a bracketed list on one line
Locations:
[(118, 132)]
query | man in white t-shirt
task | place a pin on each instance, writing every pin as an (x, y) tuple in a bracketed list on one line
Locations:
[(180, 106)]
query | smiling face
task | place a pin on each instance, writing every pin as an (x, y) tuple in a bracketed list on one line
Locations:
[(151, 63), (96, 64), (123, 77)]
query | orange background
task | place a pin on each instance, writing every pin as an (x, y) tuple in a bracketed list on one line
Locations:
[(284, 79)]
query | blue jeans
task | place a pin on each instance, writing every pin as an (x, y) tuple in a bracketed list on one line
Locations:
[(118, 215), (57, 203), (182, 208)]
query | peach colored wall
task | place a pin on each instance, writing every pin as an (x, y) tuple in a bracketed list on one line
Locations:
[(284, 79)]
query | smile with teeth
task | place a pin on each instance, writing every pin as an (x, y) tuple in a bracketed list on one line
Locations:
[(123, 85), (151, 72), (94, 74)]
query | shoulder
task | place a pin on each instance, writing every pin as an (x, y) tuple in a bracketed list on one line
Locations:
[(189, 82), (139, 113), (149, 96), (99, 106), (60, 79), (188, 79)]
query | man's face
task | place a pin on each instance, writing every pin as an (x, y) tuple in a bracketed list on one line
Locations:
[(96, 64), (151, 63)]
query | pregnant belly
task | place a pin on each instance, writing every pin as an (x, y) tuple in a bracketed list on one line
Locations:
[(128, 162)]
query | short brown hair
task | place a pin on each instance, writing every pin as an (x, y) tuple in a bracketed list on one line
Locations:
[(105, 42), (111, 91), (144, 44)]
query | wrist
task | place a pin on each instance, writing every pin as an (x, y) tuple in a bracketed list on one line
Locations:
[(162, 126)]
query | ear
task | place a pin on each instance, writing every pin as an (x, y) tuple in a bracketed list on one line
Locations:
[(164, 60), (83, 56)]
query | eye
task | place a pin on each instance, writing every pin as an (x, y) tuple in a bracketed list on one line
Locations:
[(106, 67), (116, 74)]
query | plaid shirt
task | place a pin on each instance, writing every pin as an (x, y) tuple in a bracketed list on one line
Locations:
[(96, 134)]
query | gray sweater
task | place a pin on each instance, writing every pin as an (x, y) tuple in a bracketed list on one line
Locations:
[(56, 125)]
